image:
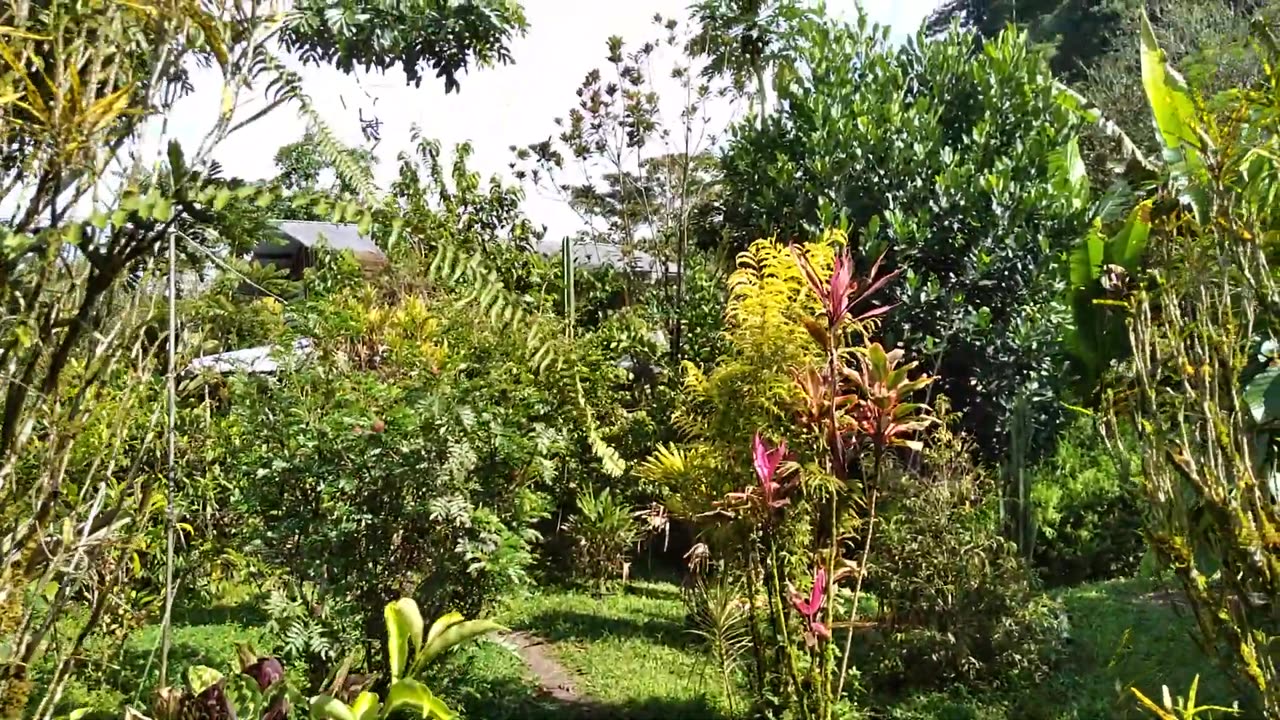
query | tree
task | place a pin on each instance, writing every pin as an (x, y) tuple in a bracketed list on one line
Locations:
[(82, 485), (744, 41), (1073, 33), (301, 165), (443, 36), (636, 180), (955, 163)]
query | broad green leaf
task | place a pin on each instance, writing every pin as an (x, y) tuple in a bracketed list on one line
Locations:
[(455, 635), (1128, 245), (411, 694), (1262, 394), (404, 621), (442, 623), (366, 706), (327, 707), (1069, 166), (201, 678), (1095, 252), (408, 609), (1171, 105), (163, 210), (221, 198)]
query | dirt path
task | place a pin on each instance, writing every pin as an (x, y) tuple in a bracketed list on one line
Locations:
[(556, 681)]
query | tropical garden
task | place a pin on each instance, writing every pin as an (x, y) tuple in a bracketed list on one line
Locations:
[(943, 382)]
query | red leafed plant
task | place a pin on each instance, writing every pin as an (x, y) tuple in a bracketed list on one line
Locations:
[(842, 296), (854, 409), (767, 494), (883, 414), (810, 607)]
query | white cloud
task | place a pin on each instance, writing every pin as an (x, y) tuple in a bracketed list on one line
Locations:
[(497, 107)]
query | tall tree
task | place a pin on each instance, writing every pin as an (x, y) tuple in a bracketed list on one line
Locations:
[(954, 163), (636, 178), (441, 36)]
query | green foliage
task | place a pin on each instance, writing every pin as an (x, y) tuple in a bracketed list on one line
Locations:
[(956, 603), (314, 628), (1182, 709), (602, 531), (1087, 515), (1208, 40), (409, 455), (639, 181), (718, 616), (1196, 314), (302, 163), (425, 35), (952, 160), (750, 387), (406, 691)]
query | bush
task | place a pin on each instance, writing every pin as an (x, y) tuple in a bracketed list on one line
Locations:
[(958, 158), (1088, 519), (410, 455), (602, 531), (957, 603)]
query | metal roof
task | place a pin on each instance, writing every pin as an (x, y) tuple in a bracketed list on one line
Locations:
[(594, 255), (337, 236), (264, 359)]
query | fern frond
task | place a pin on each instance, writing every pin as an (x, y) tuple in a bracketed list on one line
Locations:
[(480, 289), (768, 293), (673, 466)]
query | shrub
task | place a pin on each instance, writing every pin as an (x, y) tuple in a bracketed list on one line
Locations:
[(410, 455), (602, 530), (1088, 519), (957, 603), (957, 155)]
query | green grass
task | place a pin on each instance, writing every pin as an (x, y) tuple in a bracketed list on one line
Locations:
[(634, 660), (632, 648), (115, 674)]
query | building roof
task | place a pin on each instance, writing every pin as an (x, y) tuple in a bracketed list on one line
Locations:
[(344, 236), (264, 359), (593, 255)]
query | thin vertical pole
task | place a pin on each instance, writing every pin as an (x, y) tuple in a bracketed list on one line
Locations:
[(171, 431)]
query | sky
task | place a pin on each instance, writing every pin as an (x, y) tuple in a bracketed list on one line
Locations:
[(496, 108)]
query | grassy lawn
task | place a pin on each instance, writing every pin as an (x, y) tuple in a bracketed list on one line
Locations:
[(632, 659), (632, 648), (631, 651), (117, 674)]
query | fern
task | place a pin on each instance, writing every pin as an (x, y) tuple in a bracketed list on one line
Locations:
[(481, 289)]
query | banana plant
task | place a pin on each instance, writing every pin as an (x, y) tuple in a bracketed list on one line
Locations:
[(405, 628)]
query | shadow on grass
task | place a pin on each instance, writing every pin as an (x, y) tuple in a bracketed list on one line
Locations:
[(560, 625), (507, 699), (1124, 634), (249, 613)]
